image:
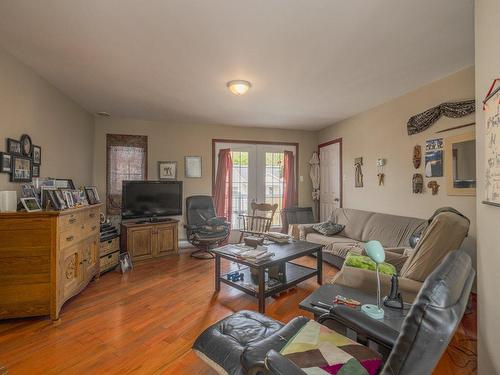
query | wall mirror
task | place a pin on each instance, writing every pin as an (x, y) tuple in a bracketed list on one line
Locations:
[(460, 168)]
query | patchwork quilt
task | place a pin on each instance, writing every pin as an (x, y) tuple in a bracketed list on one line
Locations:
[(318, 350)]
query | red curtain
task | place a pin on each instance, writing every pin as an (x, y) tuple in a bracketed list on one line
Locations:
[(289, 192), (223, 194)]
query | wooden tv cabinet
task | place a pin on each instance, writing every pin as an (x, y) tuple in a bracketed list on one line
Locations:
[(46, 258), (147, 240)]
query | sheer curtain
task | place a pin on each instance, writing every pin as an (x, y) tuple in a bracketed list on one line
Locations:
[(289, 192), (223, 194)]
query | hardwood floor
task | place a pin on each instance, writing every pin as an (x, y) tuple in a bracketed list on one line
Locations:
[(145, 322)]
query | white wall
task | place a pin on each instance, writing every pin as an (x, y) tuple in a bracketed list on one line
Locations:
[(31, 105), (381, 133), (488, 218)]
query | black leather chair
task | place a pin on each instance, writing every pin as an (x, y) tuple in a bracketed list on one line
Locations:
[(248, 342), (204, 228)]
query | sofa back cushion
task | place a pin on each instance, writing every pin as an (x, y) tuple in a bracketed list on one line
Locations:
[(392, 230), (353, 220)]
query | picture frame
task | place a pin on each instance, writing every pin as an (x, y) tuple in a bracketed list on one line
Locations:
[(36, 171), (37, 155), (63, 183), (26, 145), (5, 162), (193, 166), (68, 197), (49, 198), (61, 200), (13, 147), (167, 170), (31, 204), (21, 169), (83, 198), (92, 194)]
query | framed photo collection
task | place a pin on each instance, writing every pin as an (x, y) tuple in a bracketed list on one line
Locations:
[(21, 159)]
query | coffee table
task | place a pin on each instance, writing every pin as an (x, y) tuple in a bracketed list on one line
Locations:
[(256, 280)]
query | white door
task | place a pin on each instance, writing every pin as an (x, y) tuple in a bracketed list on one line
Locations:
[(330, 180)]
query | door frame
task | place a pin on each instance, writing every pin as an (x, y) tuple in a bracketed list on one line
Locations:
[(295, 144), (341, 180)]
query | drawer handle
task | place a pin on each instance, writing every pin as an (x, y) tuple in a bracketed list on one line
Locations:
[(94, 227), (91, 215), (110, 256), (70, 238), (72, 220)]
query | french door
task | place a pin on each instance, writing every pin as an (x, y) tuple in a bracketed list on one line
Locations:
[(257, 177)]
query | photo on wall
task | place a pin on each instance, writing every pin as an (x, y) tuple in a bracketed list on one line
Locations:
[(434, 158)]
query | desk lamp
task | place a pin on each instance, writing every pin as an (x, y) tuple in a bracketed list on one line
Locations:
[(375, 251)]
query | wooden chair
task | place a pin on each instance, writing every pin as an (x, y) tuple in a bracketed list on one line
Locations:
[(259, 222)]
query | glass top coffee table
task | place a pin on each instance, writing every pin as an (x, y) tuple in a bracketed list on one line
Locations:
[(256, 280)]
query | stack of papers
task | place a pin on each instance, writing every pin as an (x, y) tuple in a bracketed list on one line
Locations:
[(256, 255), (278, 237)]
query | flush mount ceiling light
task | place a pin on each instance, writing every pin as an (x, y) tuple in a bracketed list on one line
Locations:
[(238, 87)]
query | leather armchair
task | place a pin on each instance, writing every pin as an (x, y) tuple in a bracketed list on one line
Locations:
[(426, 331), (204, 229)]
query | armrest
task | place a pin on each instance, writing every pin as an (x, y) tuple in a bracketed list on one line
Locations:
[(304, 230), (253, 356), (362, 324), (276, 364)]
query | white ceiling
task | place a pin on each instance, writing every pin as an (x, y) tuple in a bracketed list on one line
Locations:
[(311, 62)]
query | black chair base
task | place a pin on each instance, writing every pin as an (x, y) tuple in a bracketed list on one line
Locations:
[(205, 254)]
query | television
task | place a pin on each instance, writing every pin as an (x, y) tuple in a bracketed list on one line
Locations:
[(151, 199)]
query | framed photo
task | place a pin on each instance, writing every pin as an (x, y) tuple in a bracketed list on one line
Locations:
[(125, 262), (37, 155), (60, 199), (28, 191), (5, 163), (36, 171), (21, 169), (192, 165), (64, 183), (31, 204), (13, 146), (49, 198), (92, 194), (83, 198), (68, 197), (434, 163), (26, 145), (167, 170)]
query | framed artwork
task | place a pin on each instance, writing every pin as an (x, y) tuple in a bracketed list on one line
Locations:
[(31, 204), (37, 155), (21, 169), (434, 158), (26, 145), (64, 183), (193, 167), (92, 194), (60, 198), (492, 147), (5, 163), (36, 171), (13, 146), (68, 197), (167, 170)]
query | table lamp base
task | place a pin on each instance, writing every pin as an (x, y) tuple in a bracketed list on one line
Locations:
[(373, 311)]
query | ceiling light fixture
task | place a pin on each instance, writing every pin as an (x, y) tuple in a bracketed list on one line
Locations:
[(238, 87), (103, 114)]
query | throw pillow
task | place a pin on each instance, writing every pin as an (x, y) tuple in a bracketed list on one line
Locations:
[(328, 228), (362, 261)]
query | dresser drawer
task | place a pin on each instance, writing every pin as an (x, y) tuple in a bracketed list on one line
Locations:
[(109, 246), (108, 261), (70, 222), (70, 237)]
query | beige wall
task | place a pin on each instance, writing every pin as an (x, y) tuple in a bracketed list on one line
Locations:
[(30, 105), (381, 133), (174, 141), (488, 218)]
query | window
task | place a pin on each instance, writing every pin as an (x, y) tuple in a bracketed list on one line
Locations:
[(126, 161), (258, 175)]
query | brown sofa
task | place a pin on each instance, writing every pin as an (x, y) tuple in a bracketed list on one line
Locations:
[(444, 234), (392, 231)]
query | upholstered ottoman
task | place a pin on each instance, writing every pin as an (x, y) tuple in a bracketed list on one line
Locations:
[(239, 343)]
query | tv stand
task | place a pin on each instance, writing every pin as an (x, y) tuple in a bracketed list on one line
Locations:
[(151, 238)]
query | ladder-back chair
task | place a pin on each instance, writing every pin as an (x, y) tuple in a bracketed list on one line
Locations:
[(259, 222)]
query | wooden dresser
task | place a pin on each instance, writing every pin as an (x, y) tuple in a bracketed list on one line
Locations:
[(150, 240), (46, 258)]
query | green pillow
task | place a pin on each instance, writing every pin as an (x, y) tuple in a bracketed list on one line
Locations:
[(362, 261), (328, 228)]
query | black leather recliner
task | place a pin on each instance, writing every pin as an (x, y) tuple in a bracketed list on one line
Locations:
[(248, 342), (204, 228)]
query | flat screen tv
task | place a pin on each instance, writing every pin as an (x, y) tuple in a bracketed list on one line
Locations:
[(151, 199)]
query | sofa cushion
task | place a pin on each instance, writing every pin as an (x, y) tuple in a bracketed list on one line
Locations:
[(392, 230), (328, 228), (341, 249), (353, 220), (327, 240)]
